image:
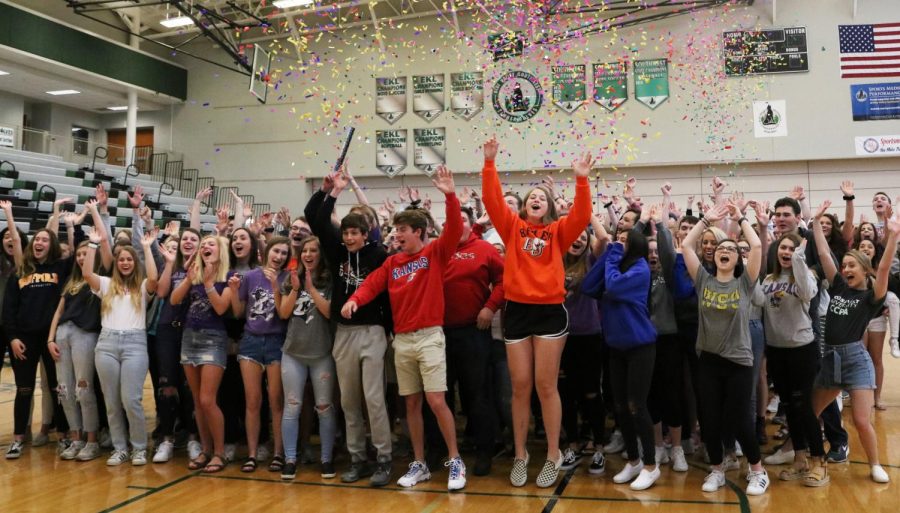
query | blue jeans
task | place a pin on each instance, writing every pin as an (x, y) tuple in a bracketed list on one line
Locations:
[(75, 373), (294, 372), (122, 363)]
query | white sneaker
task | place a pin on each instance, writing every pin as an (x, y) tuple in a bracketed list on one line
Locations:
[(518, 476), (759, 482), (418, 472), (773, 404), (662, 455), (139, 457), (457, 479), (879, 475), (645, 479), (616, 443), (194, 449), (628, 473), (72, 450), (731, 463), (895, 348), (679, 462), (714, 481), (117, 458), (230, 449), (779, 458), (164, 452), (90, 451), (738, 451)]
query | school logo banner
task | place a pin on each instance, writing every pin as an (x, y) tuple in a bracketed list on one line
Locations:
[(390, 98), (428, 96), (569, 89), (466, 94), (391, 154), (611, 84), (430, 149), (517, 96), (651, 82)]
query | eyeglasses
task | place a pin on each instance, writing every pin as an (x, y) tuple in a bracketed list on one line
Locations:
[(727, 249), (742, 249)]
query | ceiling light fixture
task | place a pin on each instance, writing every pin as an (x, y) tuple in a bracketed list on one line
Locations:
[(63, 92), (118, 108), (286, 4), (3, 72), (181, 21)]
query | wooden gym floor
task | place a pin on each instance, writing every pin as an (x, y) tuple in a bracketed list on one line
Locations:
[(40, 482)]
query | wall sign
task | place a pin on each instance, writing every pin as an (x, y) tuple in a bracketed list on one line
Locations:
[(770, 118), (390, 98), (886, 145), (391, 153), (517, 96), (651, 82), (466, 94), (752, 52), (428, 96), (569, 89), (7, 137), (872, 102), (611, 84), (430, 149)]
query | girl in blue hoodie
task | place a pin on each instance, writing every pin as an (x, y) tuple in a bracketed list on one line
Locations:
[(623, 291)]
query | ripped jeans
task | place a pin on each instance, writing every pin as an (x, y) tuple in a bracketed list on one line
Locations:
[(75, 373), (294, 372)]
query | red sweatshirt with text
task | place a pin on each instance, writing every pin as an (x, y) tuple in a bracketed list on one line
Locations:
[(415, 283), (533, 271), (474, 269)]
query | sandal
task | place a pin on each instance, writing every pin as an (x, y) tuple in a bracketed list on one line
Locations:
[(277, 463), (793, 474), (817, 476), (199, 462), (249, 465), (212, 468)]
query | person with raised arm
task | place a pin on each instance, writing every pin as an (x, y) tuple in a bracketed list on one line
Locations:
[(414, 280), (536, 324), (846, 365), (725, 364), (121, 355)]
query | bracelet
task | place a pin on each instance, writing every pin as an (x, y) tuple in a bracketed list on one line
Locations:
[(93, 245), (741, 220), (51, 342), (210, 289), (706, 222), (849, 198)]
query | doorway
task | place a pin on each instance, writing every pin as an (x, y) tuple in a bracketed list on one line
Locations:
[(115, 140)]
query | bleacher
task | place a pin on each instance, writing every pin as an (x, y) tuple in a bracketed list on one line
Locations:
[(33, 181)]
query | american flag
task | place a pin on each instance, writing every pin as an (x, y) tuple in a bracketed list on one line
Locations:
[(870, 50)]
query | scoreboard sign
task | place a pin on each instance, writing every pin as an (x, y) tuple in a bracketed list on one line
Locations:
[(753, 52)]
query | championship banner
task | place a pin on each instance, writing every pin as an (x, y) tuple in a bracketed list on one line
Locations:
[(569, 89), (466, 94), (391, 154), (428, 96), (651, 82), (390, 98), (611, 84), (430, 149)]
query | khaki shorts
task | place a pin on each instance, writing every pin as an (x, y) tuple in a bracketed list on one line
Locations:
[(421, 361)]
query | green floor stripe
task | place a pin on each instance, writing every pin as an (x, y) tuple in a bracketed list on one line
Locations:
[(147, 493)]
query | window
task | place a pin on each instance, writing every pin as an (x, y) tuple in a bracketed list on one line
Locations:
[(81, 136)]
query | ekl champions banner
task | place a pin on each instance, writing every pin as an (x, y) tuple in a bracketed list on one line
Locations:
[(390, 98), (430, 149), (390, 151)]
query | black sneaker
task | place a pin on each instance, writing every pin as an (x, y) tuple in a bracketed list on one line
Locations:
[(289, 470), (382, 475), (327, 469), (839, 454), (358, 470), (570, 459), (482, 465), (15, 450)]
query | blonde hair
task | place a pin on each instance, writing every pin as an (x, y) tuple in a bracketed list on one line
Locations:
[(222, 266), (864, 262), (76, 279), (120, 285)]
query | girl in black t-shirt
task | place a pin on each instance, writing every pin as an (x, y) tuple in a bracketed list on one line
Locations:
[(847, 364)]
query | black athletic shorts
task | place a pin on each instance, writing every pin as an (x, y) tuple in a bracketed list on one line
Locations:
[(523, 320)]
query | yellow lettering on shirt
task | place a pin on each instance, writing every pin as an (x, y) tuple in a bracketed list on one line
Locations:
[(721, 300), (38, 278)]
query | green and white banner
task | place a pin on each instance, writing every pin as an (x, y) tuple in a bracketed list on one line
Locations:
[(428, 96), (466, 94), (391, 153), (390, 98), (430, 149), (569, 89), (651, 82), (611, 84)]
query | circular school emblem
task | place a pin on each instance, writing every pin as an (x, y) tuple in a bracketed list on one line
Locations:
[(517, 96)]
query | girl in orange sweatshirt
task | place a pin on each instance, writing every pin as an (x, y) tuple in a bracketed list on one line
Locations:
[(536, 323)]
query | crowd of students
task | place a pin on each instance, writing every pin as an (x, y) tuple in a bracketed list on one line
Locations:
[(536, 308)]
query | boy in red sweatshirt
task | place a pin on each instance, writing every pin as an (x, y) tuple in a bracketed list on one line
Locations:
[(414, 281)]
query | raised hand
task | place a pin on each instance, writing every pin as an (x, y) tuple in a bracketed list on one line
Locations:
[(172, 228), (847, 188), (414, 194), (655, 211), (718, 185), (822, 209), (135, 198), (93, 236), (733, 210), (582, 165), (341, 179), (490, 148), (716, 213), (762, 211), (295, 280), (203, 194), (666, 189), (147, 240), (168, 255), (272, 276), (426, 203), (328, 183), (893, 225), (738, 199), (798, 193), (404, 194), (443, 180), (101, 195)]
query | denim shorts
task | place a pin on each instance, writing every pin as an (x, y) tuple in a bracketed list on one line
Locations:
[(262, 349), (847, 366), (203, 347)]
